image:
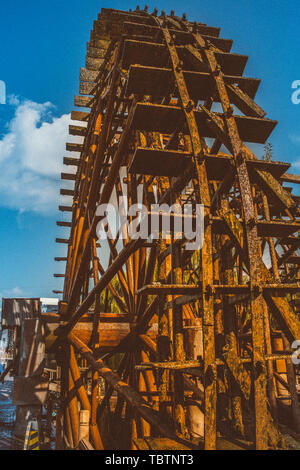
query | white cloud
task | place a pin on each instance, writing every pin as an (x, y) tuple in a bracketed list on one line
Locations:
[(14, 292), (31, 157)]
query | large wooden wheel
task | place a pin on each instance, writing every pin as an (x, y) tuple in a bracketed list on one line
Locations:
[(191, 343)]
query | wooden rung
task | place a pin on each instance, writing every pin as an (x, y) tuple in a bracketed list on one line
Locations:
[(65, 208), (60, 258), (86, 75), (86, 88), (96, 52), (58, 291), (79, 116), (289, 178), (72, 161), (74, 147), (224, 289), (58, 275), (62, 240), (93, 64), (276, 228), (83, 101), (67, 192), (168, 289), (77, 130), (295, 287), (68, 176), (63, 223), (169, 365)]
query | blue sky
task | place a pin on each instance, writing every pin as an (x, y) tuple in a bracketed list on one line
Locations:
[(43, 47)]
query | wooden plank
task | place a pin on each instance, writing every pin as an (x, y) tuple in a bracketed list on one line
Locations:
[(289, 178), (67, 192), (63, 223), (62, 240), (149, 80), (168, 289), (74, 147), (83, 101), (273, 188), (79, 115), (152, 54), (181, 37), (77, 130), (68, 176), (159, 162), (93, 64), (276, 228), (65, 208), (86, 88), (72, 161), (164, 119), (96, 52), (87, 75)]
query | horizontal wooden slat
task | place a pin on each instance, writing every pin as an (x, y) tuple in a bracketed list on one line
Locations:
[(277, 229), (63, 223), (77, 130), (67, 192), (119, 15), (79, 115), (96, 52), (159, 162), (155, 80), (62, 240), (165, 119), (65, 208), (181, 37), (83, 101), (289, 178), (93, 64), (157, 55), (72, 161), (86, 88), (88, 75), (68, 176), (74, 147)]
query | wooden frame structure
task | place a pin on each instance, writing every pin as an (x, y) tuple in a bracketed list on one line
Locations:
[(203, 337)]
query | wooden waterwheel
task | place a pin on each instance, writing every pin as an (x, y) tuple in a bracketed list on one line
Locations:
[(191, 347)]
